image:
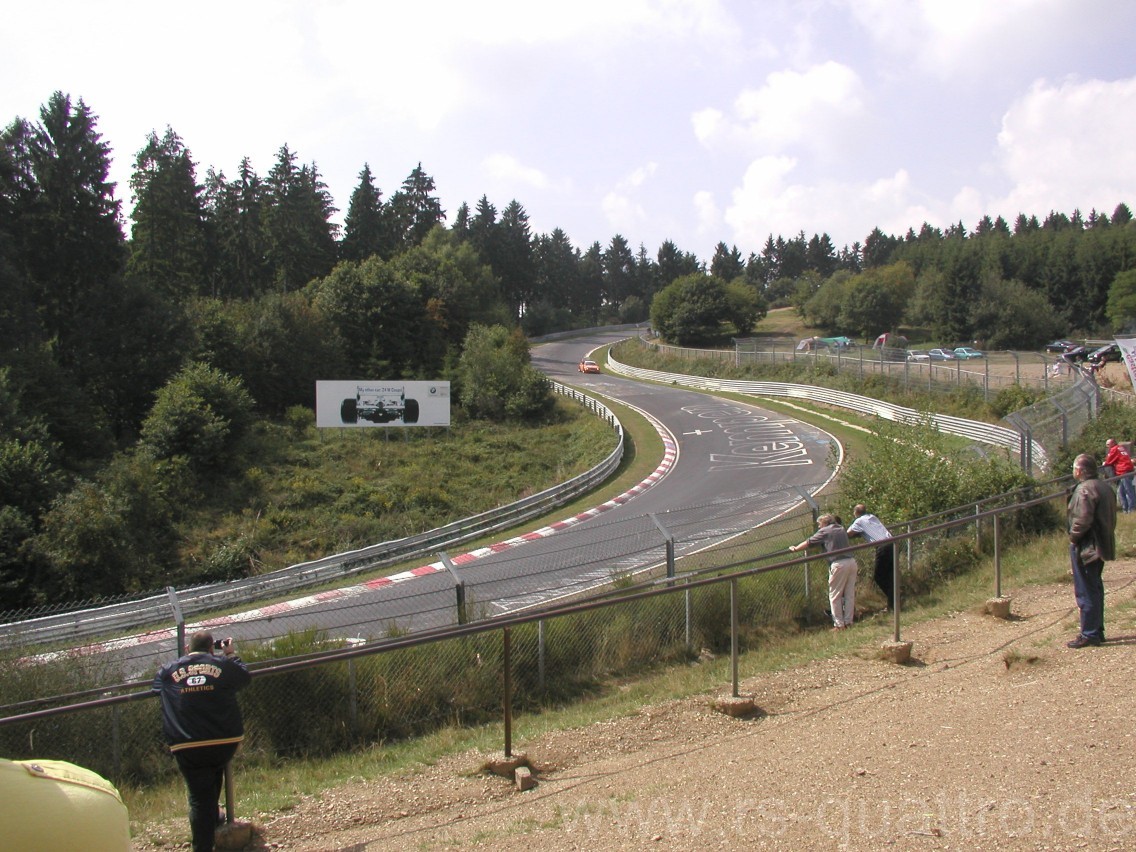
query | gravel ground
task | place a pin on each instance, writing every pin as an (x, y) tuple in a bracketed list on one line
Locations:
[(994, 736)]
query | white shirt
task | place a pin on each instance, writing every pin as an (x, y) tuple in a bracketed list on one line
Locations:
[(870, 527)]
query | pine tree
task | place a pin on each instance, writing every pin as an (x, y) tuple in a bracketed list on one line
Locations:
[(365, 228), (167, 249)]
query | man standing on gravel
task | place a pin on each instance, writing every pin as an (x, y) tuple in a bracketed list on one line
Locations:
[(202, 724), (1092, 540)]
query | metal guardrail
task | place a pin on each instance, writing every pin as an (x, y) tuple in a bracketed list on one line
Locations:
[(974, 430), (81, 624)]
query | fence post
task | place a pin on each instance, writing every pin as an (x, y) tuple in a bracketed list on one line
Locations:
[(353, 697), (540, 652), (459, 587), (734, 634), (689, 619), (179, 619), (895, 582), (997, 559), (507, 666), (670, 545), (814, 507)]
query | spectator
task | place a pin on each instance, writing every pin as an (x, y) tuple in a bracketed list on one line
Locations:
[(1119, 459), (202, 724), (841, 569), (872, 529), (1092, 541)]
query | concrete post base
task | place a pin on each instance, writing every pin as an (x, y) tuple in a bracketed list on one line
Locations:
[(735, 706), (896, 652), (233, 835), (998, 607)]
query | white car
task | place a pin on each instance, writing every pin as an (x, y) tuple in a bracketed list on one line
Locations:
[(917, 355)]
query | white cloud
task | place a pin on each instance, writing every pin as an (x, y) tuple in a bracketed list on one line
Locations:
[(1070, 146), (963, 36), (769, 202), (624, 212), (792, 107), (707, 215), (503, 167)]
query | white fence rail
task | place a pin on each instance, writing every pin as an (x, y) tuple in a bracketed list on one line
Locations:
[(974, 430)]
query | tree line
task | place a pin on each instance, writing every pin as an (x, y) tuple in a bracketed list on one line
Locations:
[(131, 366)]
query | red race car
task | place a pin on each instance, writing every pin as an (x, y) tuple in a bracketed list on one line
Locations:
[(588, 366)]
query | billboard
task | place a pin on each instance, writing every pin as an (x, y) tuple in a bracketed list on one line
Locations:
[(382, 403), (1128, 355)]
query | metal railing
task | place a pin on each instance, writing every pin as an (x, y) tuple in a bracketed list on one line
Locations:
[(404, 685)]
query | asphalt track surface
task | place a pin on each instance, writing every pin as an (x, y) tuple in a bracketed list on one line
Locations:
[(719, 455)]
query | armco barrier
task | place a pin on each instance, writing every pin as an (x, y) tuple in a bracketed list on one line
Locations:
[(82, 624), (974, 430)]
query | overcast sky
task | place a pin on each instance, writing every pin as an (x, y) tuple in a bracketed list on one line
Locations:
[(697, 121)]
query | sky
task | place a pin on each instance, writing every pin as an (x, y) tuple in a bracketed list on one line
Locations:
[(694, 121)]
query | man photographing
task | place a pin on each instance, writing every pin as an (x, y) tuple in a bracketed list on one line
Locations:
[(202, 724)]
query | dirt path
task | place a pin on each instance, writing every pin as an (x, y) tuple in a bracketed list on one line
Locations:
[(994, 736)]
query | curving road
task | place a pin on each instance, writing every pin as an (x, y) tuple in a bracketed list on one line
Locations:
[(728, 466)]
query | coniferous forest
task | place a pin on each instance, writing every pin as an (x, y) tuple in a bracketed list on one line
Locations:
[(133, 357)]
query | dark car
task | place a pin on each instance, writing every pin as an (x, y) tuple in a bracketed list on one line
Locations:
[(1060, 346), (1076, 355), (1108, 352)]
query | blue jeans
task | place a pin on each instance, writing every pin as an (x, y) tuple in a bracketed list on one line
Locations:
[(1089, 590), (1126, 492)]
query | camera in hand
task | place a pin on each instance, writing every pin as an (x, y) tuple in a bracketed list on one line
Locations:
[(222, 644)]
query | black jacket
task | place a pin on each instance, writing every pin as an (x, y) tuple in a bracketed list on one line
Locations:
[(199, 700)]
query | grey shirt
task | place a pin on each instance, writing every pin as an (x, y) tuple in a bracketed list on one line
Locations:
[(833, 537)]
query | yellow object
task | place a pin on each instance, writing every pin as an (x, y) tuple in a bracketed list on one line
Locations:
[(55, 806)]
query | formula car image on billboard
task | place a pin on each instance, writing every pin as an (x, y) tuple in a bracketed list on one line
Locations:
[(379, 405), (382, 403)]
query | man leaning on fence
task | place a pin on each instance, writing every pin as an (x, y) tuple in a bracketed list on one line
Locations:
[(841, 569), (202, 724), (1118, 458), (1092, 540), (872, 529)]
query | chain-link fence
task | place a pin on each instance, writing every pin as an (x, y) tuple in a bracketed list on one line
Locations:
[(987, 375), (315, 695)]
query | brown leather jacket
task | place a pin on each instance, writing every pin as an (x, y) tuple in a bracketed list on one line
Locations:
[(1092, 520)]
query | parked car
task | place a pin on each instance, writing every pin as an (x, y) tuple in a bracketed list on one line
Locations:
[(1076, 354), (1108, 352), (588, 366), (966, 353), (1060, 346), (941, 355), (917, 355)]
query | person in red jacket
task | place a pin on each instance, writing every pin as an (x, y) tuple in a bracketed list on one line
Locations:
[(202, 723), (1120, 461)]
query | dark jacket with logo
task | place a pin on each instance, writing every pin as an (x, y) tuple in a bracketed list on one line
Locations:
[(199, 700), (1092, 520)]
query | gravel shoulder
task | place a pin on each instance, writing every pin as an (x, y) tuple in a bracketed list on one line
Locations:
[(995, 735)]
